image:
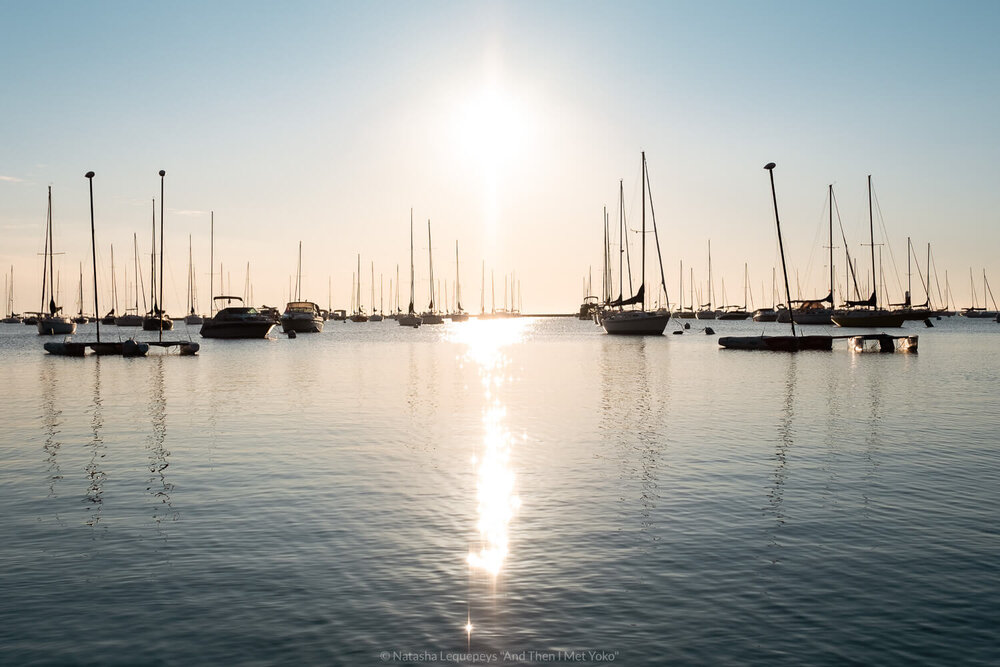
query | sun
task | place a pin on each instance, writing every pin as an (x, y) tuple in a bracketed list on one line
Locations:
[(491, 128)]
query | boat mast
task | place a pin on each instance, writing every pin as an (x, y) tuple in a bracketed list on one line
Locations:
[(153, 308), (49, 250), (211, 269), (656, 235), (298, 276), (831, 246), (871, 237), (411, 263), (162, 174), (93, 249), (430, 257), (458, 284), (642, 262), (791, 318)]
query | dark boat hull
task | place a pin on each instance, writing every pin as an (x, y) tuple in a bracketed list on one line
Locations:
[(777, 343), (233, 330), (154, 324)]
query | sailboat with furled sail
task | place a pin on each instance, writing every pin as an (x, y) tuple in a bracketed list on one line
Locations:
[(459, 314), (301, 316), (410, 317), (192, 317), (637, 322), (431, 316), (792, 343), (157, 319), (51, 323), (867, 313)]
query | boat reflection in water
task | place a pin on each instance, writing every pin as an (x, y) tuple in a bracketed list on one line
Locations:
[(496, 499)]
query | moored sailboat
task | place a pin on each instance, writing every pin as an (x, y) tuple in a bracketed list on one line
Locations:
[(639, 322), (431, 315), (301, 316), (51, 322), (868, 313), (792, 343), (410, 317)]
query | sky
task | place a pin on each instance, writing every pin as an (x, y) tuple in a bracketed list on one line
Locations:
[(507, 125)]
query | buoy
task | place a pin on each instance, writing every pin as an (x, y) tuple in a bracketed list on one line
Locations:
[(709, 331), (291, 334)]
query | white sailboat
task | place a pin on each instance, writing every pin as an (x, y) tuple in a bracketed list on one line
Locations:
[(639, 322)]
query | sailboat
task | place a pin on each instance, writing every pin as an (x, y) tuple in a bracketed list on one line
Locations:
[(980, 313), (111, 316), (359, 311), (735, 312), (51, 323), (375, 317), (129, 348), (813, 311), (459, 314), (157, 319), (11, 317), (133, 319), (192, 317), (791, 343), (639, 322), (867, 313), (431, 316), (706, 312), (410, 317), (301, 316)]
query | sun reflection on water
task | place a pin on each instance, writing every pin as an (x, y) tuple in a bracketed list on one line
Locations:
[(496, 497)]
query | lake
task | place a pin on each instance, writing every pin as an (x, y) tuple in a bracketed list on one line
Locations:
[(519, 491)]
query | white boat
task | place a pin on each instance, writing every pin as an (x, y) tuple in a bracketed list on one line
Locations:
[(51, 323), (616, 319), (301, 316), (431, 316)]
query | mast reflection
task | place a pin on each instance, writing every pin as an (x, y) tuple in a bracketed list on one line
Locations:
[(158, 462), (51, 420), (94, 468)]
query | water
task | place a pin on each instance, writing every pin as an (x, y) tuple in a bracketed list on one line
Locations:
[(523, 490)]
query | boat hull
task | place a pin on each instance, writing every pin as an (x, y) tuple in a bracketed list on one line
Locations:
[(155, 324), (868, 318), (129, 321), (409, 320), (194, 319), (815, 316), (302, 324), (234, 330), (777, 343), (56, 326), (431, 318), (635, 323), (706, 315)]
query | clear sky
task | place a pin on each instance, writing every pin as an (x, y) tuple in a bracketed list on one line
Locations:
[(508, 125)]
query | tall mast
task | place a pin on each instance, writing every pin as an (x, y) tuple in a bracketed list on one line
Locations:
[(831, 246), (642, 263), (458, 284), (152, 268), (298, 276), (358, 302), (482, 290), (93, 249), (788, 296), (430, 257), (211, 269), (163, 310), (135, 253), (871, 237), (52, 282), (411, 263)]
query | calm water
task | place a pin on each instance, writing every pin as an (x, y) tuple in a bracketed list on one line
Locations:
[(505, 490)]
